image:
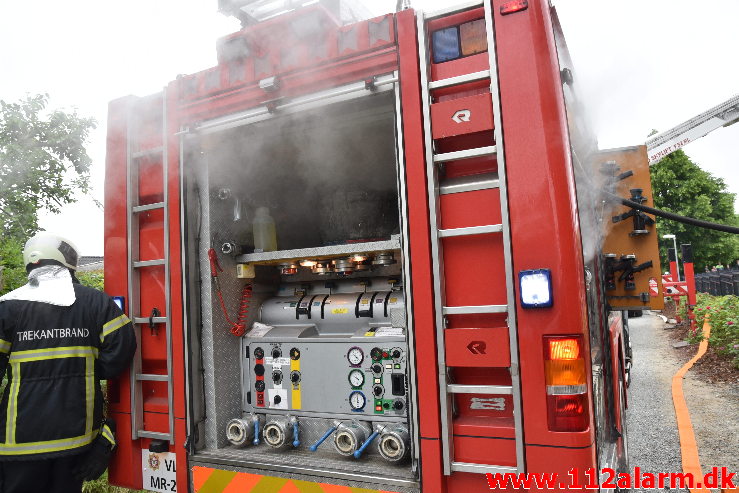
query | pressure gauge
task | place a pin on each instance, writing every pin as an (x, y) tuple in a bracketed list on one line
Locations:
[(355, 356), (356, 378), (357, 400)]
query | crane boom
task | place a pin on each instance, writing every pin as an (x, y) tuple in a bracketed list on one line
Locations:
[(700, 125)]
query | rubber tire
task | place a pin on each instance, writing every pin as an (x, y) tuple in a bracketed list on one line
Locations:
[(623, 460), (629, 356)]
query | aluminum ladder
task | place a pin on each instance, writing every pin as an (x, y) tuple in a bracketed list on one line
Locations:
[(135, 156), (433, 160)]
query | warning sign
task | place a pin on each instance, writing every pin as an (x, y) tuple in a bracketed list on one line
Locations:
[(159, 471)]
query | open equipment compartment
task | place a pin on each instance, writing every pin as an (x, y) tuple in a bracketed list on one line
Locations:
[(321, 384)]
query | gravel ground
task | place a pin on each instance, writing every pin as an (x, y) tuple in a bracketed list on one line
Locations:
[(714, 408), (714, 411), (654, 445)]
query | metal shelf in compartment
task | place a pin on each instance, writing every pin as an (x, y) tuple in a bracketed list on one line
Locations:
[(318, 253)]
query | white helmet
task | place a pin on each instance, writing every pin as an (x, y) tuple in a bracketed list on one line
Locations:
[(49, 246)]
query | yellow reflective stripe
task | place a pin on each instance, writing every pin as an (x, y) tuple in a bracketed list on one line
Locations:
[(18, 357), (207, 480), (107, 434), (113, 325), (218, 481), (52, 350), (12, 414), (4, 346), (53, 353), (89, 391), (307, 486), (269, 484), (48, 446)]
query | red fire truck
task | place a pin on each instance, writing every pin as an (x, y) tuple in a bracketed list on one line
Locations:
[(364, 255)]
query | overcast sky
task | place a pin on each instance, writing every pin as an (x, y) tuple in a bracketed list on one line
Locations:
[(639, 64)]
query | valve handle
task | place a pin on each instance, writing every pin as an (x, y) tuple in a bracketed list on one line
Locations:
[(328, 433), (256, 432), (296, 442), (366, 444)]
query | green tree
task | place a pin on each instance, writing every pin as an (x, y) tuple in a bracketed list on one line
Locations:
[(92, 279), (11, 258), (43, 166), (682, 187)]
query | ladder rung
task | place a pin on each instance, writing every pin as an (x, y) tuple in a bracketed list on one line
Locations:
[(454, 388), (459, 79), (148, 207), (465, 154), (149, 377), (471, 231), (149, 263), (481, 468), (471, 310), (146, 320), (153, 434), (470, 183), (460, 7), (147, 152)]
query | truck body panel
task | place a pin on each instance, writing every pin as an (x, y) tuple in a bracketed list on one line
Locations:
[(408, 209)]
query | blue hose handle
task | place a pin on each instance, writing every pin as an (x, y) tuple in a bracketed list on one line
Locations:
[(256, 432), (296, 442), (359, 452), (315, 446)]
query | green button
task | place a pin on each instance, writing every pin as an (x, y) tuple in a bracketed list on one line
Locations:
[(397, 366)]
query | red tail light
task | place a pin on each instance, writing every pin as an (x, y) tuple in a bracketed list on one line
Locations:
[(566, 384)]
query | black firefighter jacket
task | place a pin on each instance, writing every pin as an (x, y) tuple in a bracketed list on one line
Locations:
[(56, 356)]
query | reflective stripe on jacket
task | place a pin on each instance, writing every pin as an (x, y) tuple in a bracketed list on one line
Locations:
[(55, 357)]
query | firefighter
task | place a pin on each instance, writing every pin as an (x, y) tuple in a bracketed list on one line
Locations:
[(58, 339)]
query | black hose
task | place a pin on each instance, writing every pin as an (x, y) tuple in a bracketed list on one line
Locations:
[(675, 217)]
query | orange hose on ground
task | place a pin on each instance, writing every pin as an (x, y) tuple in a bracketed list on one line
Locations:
[(688, 445)]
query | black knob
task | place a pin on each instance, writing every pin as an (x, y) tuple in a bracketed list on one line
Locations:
[(259, 370), (295, 353), (377, 368), (376, 353), (398, 405), (396, 353), (378, 390), (295, 376), (276, 352), (259, 353), (259, 385), (278, 399), (277, 377)]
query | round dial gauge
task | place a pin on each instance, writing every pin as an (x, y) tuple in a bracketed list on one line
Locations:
[(356, 378), (355, 356), (357, 400)]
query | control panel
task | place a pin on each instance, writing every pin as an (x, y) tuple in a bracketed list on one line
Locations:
[(363, 375), (327, 362)]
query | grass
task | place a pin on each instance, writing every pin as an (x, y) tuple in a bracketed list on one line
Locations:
[(101, 485)]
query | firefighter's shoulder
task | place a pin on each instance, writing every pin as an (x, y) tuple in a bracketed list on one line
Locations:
[(96, 301)]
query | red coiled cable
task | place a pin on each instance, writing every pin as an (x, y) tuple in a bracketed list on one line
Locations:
[(239, 327)]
